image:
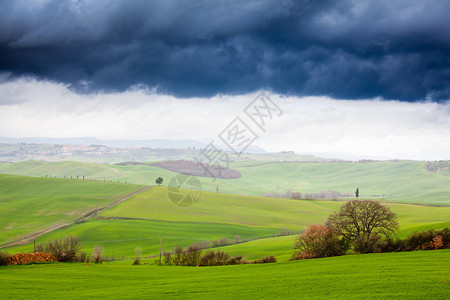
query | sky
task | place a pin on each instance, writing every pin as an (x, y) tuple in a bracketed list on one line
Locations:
[(368, 78)]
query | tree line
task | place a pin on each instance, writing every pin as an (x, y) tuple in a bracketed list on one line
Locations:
[(366, 227)]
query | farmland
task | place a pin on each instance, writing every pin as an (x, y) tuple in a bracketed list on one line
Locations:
[(402, 181), (412, 275), (139, 222), (30, 205)]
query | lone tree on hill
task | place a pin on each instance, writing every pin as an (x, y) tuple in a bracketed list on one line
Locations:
[(159, 180), (357, 192), (362, 224)]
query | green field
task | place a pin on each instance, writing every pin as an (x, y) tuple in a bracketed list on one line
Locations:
[(29, 205), (280, 247), (139, 221), (257, 211), (404, 181), (411, 275), (121, 237)]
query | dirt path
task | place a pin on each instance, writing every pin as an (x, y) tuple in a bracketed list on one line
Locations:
[(30, 238), (94, 212)]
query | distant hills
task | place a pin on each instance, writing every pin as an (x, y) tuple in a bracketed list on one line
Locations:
[(89, 149), (157, 143)]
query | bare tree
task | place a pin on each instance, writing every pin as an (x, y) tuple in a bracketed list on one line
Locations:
[(363, 223)]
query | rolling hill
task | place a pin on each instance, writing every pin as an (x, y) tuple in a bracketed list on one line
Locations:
[(31, 205), (398, 181), (140, 220)]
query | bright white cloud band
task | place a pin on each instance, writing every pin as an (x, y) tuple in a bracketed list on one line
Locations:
[(366, 128)]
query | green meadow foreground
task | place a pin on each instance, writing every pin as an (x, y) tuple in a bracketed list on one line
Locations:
[(410, 275)]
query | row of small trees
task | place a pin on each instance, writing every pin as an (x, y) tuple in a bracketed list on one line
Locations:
[(69, 250), (193, 256), (328, 194), (366, 227), (64, 250)]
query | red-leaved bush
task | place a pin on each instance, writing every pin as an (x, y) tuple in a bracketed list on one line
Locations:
[(27, 258), (317, 241)]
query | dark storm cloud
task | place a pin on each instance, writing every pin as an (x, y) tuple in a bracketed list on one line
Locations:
[(342, 49)]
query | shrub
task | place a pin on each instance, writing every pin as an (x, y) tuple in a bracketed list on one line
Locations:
[(236, 260), (202, 245), (428, 240), (437, 242), (445, 233), (317, 241), (167, 258), (225, 242), (4, 256), (177, 256), (97, 255), (28, 258), (191, 256), (109, 258), (423, 240), (209, 259), (417, 239), (364, 244), (212, 258), (83, 257), (285, 231), (206, 244), (265, 260), (391, 245), (63, 249), (138, 252)]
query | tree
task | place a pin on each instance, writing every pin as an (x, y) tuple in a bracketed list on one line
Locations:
[(362, 224), (317, 241), (159, 180), (357, 192)]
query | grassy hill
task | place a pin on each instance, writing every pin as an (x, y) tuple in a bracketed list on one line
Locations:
[(120, 237), (29, 205), (410, 275), (397, 181), (219, 208), (139, 221), (60, 169), (404, 181)]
